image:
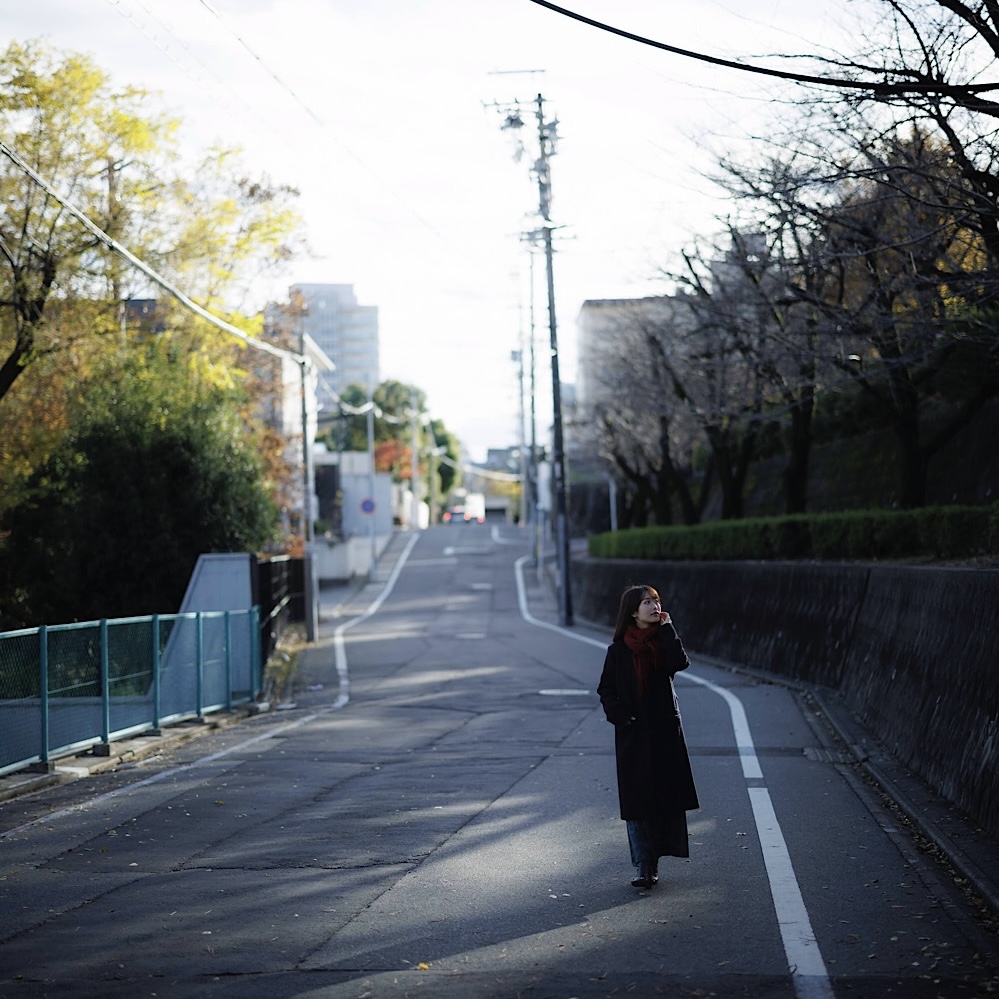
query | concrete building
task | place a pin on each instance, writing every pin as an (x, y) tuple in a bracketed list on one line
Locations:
[(606, 329), (344, 330)]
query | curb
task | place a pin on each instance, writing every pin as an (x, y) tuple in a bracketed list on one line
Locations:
[(122, 753), (883, 770), (134, 748)]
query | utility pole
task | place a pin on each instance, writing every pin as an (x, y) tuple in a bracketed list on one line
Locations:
[(524, 468), (535, 513), (547, 134), (546, 142), (432, 475), (414, 474), (308, 556), (370, 420)]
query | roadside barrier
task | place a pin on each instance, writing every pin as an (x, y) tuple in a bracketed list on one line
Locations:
[(71, 687), (911, 650)]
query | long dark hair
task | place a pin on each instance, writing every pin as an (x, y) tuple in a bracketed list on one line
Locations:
[(630, 600)]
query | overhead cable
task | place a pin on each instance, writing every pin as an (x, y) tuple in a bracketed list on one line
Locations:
[(170, 54), (319, 121), (116, 247), (883, 89), (270, 72)]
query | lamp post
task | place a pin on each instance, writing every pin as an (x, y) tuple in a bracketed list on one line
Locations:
[(547, 134), (414, 473), (433, 453), (535, 513), (370, 422), (310, 596)]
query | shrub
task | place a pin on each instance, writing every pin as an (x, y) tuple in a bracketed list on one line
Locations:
[(940, 532)]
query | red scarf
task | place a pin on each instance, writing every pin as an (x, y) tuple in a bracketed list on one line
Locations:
[(643, 652)]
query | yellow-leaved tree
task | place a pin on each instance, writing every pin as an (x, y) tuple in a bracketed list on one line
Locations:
[(68, 303)]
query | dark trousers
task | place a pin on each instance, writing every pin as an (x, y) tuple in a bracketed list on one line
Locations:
[(650, 839)]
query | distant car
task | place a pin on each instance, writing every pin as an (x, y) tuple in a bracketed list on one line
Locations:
[(462, 515), (475, 508)]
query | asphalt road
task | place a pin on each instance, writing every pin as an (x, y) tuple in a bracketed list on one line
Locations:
[(435, 815)]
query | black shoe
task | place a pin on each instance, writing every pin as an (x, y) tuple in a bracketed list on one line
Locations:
[(646, 878)]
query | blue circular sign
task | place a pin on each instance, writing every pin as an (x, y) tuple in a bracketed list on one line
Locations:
[(368, 505)]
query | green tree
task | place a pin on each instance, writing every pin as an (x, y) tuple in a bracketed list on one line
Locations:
[(66, 301), (223, 229), (156, 471), (392, 434), (449, 457), (394, 405), (350, 432)]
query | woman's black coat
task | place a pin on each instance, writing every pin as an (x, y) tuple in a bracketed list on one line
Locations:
[(653, 769)]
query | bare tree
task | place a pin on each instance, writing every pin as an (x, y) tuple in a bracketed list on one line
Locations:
[(875, 259), (922, 220), (889, 260), (892, 192), (636, 423), (718, 372)]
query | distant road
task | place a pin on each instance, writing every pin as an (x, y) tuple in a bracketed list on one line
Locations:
[(437, 816)]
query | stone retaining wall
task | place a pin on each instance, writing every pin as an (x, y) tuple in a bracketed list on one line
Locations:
[(913, 650)]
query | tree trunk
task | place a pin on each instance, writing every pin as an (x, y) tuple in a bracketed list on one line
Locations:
[(728, 481), (912, 487), (16, 360), (799, 447), (671, 483), (914, 464)]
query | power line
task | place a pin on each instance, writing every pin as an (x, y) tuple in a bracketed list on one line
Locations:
[(188, 303), (126, 254), (168, 51), (883, 89), (319, 121), (252, 112), (270, 72)]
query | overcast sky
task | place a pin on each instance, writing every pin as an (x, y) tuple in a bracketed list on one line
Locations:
[(382, 112)]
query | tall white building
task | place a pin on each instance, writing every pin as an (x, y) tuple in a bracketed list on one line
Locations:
[(345, 331)]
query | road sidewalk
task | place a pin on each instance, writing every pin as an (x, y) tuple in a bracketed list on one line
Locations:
[(336, 601), (937, 826)]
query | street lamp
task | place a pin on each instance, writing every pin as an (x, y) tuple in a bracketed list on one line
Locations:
[(433, 453), (547, 135), (310, 596), (370, 426)]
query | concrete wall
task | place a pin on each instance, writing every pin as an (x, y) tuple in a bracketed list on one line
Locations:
[(912, 650), (342, 561)]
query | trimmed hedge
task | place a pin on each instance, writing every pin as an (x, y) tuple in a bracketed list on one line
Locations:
[(934, 532)]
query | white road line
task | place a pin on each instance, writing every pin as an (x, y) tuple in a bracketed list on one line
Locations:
[(740, 726), (339, 648), (498, 538), (807, 968), (341, 665)]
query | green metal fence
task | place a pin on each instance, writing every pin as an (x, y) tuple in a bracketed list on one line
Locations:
[(67, 687)]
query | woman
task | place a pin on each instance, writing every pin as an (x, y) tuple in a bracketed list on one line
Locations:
[(654, 780)]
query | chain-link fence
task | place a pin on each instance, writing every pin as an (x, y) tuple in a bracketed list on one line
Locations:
[(66, 687)]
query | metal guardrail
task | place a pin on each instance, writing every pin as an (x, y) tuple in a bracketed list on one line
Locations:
[(65, 688), (279, 592)]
